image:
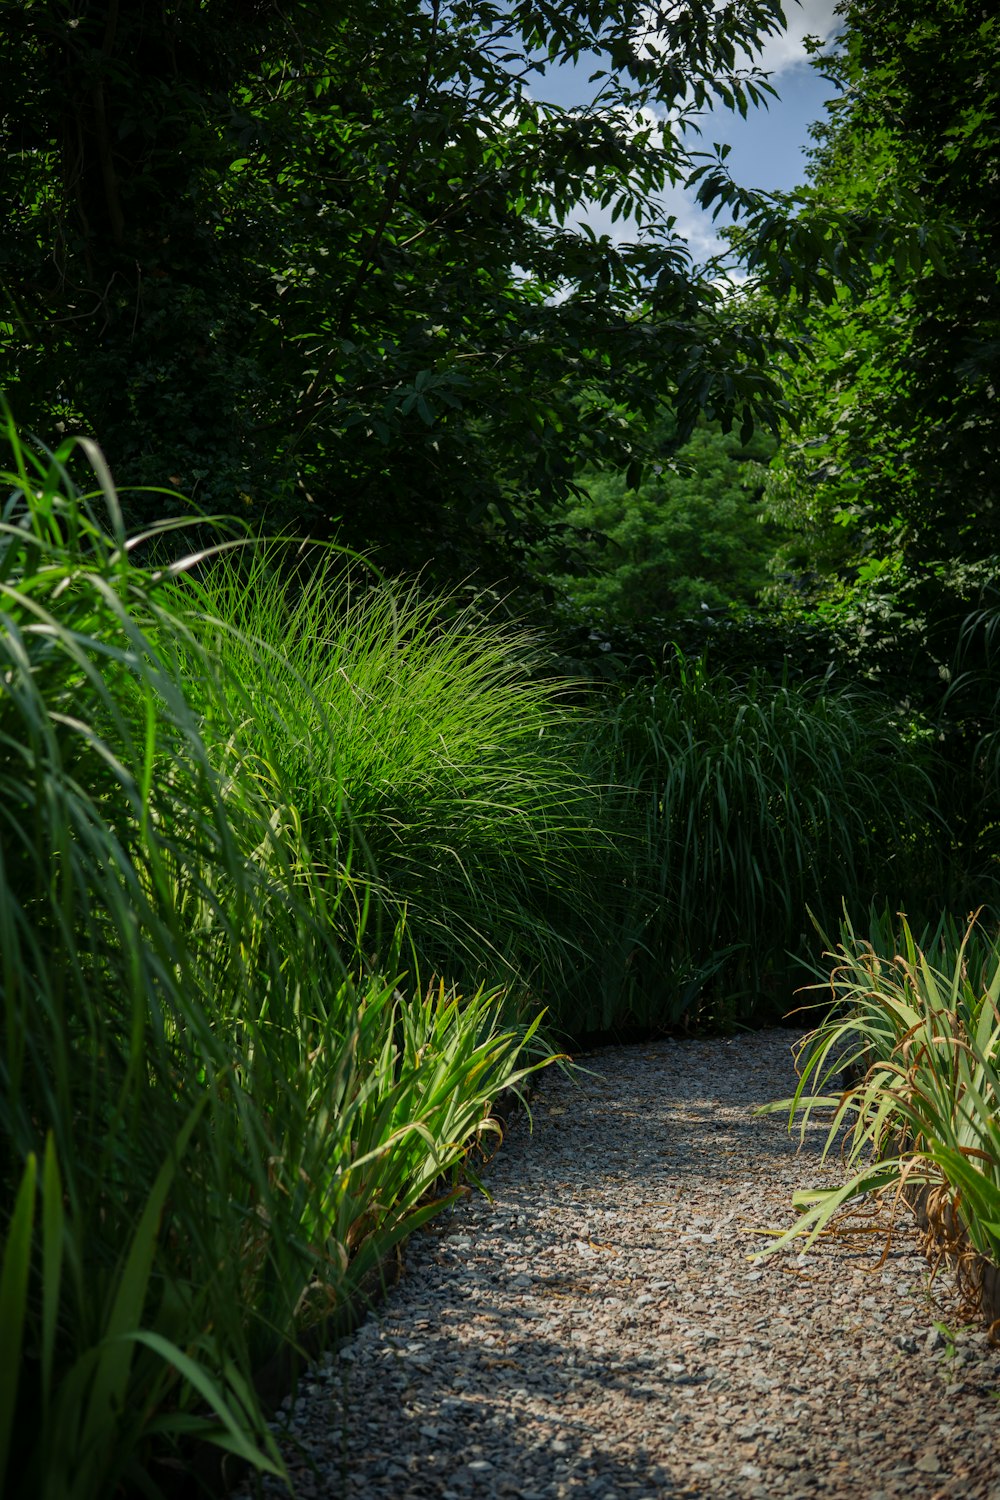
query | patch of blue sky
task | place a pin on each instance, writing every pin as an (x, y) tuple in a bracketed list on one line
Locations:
[(767, 148)]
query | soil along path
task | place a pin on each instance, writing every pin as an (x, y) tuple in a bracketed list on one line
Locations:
[(598, 1331)]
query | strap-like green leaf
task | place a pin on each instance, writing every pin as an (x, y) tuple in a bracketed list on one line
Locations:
[(53, 1218), (110, 1383), (13, 1302), (234, 1438)]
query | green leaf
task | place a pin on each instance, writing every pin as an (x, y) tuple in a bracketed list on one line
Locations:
[(53, 1228), (115, 1352), (13, 1302), (235, 1437)]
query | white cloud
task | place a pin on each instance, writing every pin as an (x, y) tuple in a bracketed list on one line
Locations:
[(692, 224), (784, 51)]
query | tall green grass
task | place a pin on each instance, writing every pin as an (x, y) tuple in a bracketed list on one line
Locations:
[(432, 757), (217, 1107), (745, 806)]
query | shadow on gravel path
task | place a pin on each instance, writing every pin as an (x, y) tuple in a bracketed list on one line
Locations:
[(597, 1329)]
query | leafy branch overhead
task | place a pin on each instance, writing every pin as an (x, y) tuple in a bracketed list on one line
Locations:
[(330, 259)]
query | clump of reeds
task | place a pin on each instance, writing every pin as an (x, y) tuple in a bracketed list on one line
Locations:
[(914, 1032)]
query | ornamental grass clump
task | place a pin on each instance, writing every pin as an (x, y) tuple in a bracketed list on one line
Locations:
[(218, 1107), (916, 1025), (433, 760), (747, 804)]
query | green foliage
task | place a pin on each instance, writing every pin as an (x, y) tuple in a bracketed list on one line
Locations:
[(919, 1020), (431, 755), (685, 539), (893, 477), (747, 805), (324, 260), (236, 1111), (887, 492)]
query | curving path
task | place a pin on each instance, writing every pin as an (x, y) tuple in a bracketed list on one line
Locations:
[(596, 1330)]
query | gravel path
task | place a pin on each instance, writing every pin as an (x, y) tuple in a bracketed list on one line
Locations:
[(598, 1331)]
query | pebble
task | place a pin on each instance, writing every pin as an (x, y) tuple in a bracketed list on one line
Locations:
[(595, 1329)]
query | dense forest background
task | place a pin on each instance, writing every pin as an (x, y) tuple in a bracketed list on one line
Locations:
[(324, 268), (327, 271)]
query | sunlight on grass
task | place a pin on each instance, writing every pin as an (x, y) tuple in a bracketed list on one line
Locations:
[(218, 1108)]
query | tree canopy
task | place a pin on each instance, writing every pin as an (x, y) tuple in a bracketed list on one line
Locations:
[(327, 262), (893, 481)]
